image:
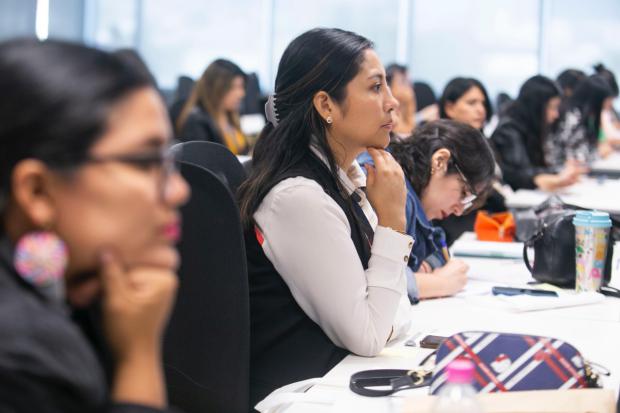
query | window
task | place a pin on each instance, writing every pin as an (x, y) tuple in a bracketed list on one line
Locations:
[(184, 38), (580, 34), (495, 42), (376, 20), (17, 18), (111, 24)]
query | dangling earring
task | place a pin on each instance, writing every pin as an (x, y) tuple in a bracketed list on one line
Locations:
[(41, 258), (329, 120), (432, 171)]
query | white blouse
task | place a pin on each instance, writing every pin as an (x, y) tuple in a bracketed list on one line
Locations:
[(307, 238)]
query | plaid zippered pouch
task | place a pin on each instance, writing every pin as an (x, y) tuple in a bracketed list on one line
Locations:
[(514, 362)]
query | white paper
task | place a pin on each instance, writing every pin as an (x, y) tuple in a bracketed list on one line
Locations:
[(467, 247), (523, 303)]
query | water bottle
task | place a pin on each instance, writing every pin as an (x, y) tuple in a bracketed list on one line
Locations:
[(458, 394)]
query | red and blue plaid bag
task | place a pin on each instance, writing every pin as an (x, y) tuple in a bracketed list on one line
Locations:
[(514, 362)]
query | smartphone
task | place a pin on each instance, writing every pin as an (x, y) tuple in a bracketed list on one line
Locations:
[(432, 341)]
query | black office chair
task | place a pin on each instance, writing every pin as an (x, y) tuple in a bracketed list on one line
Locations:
[(214, 157), (185, 84), (502, 102), (247, 167), (251, 101), (424, 95), (206, 345)]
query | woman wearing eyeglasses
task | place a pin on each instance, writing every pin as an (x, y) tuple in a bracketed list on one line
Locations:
[(88, 212), (448, 167)]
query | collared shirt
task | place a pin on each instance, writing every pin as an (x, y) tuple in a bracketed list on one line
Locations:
[(307, 238), (427, 239)]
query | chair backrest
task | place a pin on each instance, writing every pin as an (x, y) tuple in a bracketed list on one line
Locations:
[(185, 84), (251, 101), (247, 167), (424, 95), (213, 157), (206, 345)]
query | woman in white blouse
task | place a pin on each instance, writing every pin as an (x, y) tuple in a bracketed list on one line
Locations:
[(326, 247)]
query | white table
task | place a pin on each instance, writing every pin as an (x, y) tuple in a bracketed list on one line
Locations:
[(593, 329), (591, 193), (609, 166)]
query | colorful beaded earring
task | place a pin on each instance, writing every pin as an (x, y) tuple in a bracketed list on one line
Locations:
[(41, 259)]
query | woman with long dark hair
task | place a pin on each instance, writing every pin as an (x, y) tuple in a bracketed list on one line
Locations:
[(464, 99), (568, 80), (326, 247), (88, 210), (521, 136), (610, 121), (579, 132), (212, 111)]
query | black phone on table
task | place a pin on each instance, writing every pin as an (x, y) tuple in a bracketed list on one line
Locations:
[(432, 341)]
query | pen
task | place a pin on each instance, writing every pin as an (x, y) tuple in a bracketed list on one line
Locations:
[(444, 250)]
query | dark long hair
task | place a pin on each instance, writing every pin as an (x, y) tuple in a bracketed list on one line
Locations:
[(609, 76), (456, 88), (469, 149), (529, 109), (569, 79), (55, 101), (209, 91), (318, 60), (588, 98)]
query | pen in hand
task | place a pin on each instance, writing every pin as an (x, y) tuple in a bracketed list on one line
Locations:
[(444, 250)]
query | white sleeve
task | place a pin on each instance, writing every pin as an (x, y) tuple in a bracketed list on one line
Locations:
[(307, 238)]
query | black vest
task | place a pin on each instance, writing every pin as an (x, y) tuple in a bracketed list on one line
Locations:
[(286, 345)]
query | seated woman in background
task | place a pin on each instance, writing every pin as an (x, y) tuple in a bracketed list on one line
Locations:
[(523, 132), (402, 89), (579, 136), (326, 259), (212, 111), (448, 165), (88, 208), (610, 121), (568, 81), (465, 100)]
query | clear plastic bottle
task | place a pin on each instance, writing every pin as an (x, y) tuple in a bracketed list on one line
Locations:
[(458, 394)]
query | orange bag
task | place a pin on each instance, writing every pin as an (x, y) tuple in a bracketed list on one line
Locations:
[(495, 227)]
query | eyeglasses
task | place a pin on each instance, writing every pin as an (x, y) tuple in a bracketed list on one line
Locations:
[(466, 200), (162, 162)]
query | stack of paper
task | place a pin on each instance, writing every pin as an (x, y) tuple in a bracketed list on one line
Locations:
[(469, 246)]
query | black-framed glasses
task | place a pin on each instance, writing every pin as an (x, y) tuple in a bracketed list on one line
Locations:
[(161, 161), (466, 200)]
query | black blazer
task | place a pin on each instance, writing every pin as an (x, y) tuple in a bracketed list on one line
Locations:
[(518, 167), (46, 363), (200, 126)]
